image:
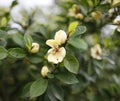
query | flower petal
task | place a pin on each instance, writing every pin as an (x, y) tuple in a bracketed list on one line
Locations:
[(52, 43), (60, 36)]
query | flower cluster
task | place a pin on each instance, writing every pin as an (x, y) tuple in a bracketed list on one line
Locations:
[(75, 12), (57, 53), (117, 22)]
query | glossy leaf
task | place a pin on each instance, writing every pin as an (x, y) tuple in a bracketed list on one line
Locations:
[(67, 78), (17, 52), (38, 87), (71, 63)]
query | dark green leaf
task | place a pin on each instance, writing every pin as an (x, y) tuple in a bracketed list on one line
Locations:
[(58, 92), (3, 53), (38, 87), (26, 91), (71, 63), (67, 78), (17, 52)]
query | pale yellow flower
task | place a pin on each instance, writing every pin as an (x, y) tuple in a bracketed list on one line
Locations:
[(96, 15), (44, 71), (79, 16), (117, 22), (35, 48), (60, 36), (96, 52), (56, 55)]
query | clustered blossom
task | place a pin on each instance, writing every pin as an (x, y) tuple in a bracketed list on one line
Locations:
[(75, 12), (96, 52), (57, 53), (35, 48), (117, 22)]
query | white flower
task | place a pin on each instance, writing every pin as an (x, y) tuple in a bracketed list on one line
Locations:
[(56, 55), (96, 52), (35, 48), (44, 71), (60, 36), (117, 21)]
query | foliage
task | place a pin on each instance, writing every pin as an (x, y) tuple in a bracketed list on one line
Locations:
[(80, 63)]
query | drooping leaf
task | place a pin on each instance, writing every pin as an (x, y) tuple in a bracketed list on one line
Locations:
[(17, 52), (3, 53), (71, 63), (38, 87), (67, 78)]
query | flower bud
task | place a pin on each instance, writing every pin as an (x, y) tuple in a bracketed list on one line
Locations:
[(96, 15), (44, 71), (79, 16), (35, 48)]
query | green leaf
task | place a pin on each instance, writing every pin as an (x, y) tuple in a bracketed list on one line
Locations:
[(72, 27), (58, 92), (3, 42), (18, 39), (78, 43), (38, 87), (28, 41), (67, 78), (26, 90), (71, 63), (3, 53), (17, 52), (80, 30), (3, 34)]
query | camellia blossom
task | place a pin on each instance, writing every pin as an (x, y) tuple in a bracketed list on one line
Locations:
[(56, 54), (35, 48), (96, 52), (44, 71), (117, 22)]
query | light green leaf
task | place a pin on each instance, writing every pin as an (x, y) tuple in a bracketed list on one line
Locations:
[(71, 63), (38, 87), (80, 30), (28, 41), (78, 43), (67, 78), (72, 27), (3, 34), (18, 39), (3, 53), (17, 52), (58, 92)]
